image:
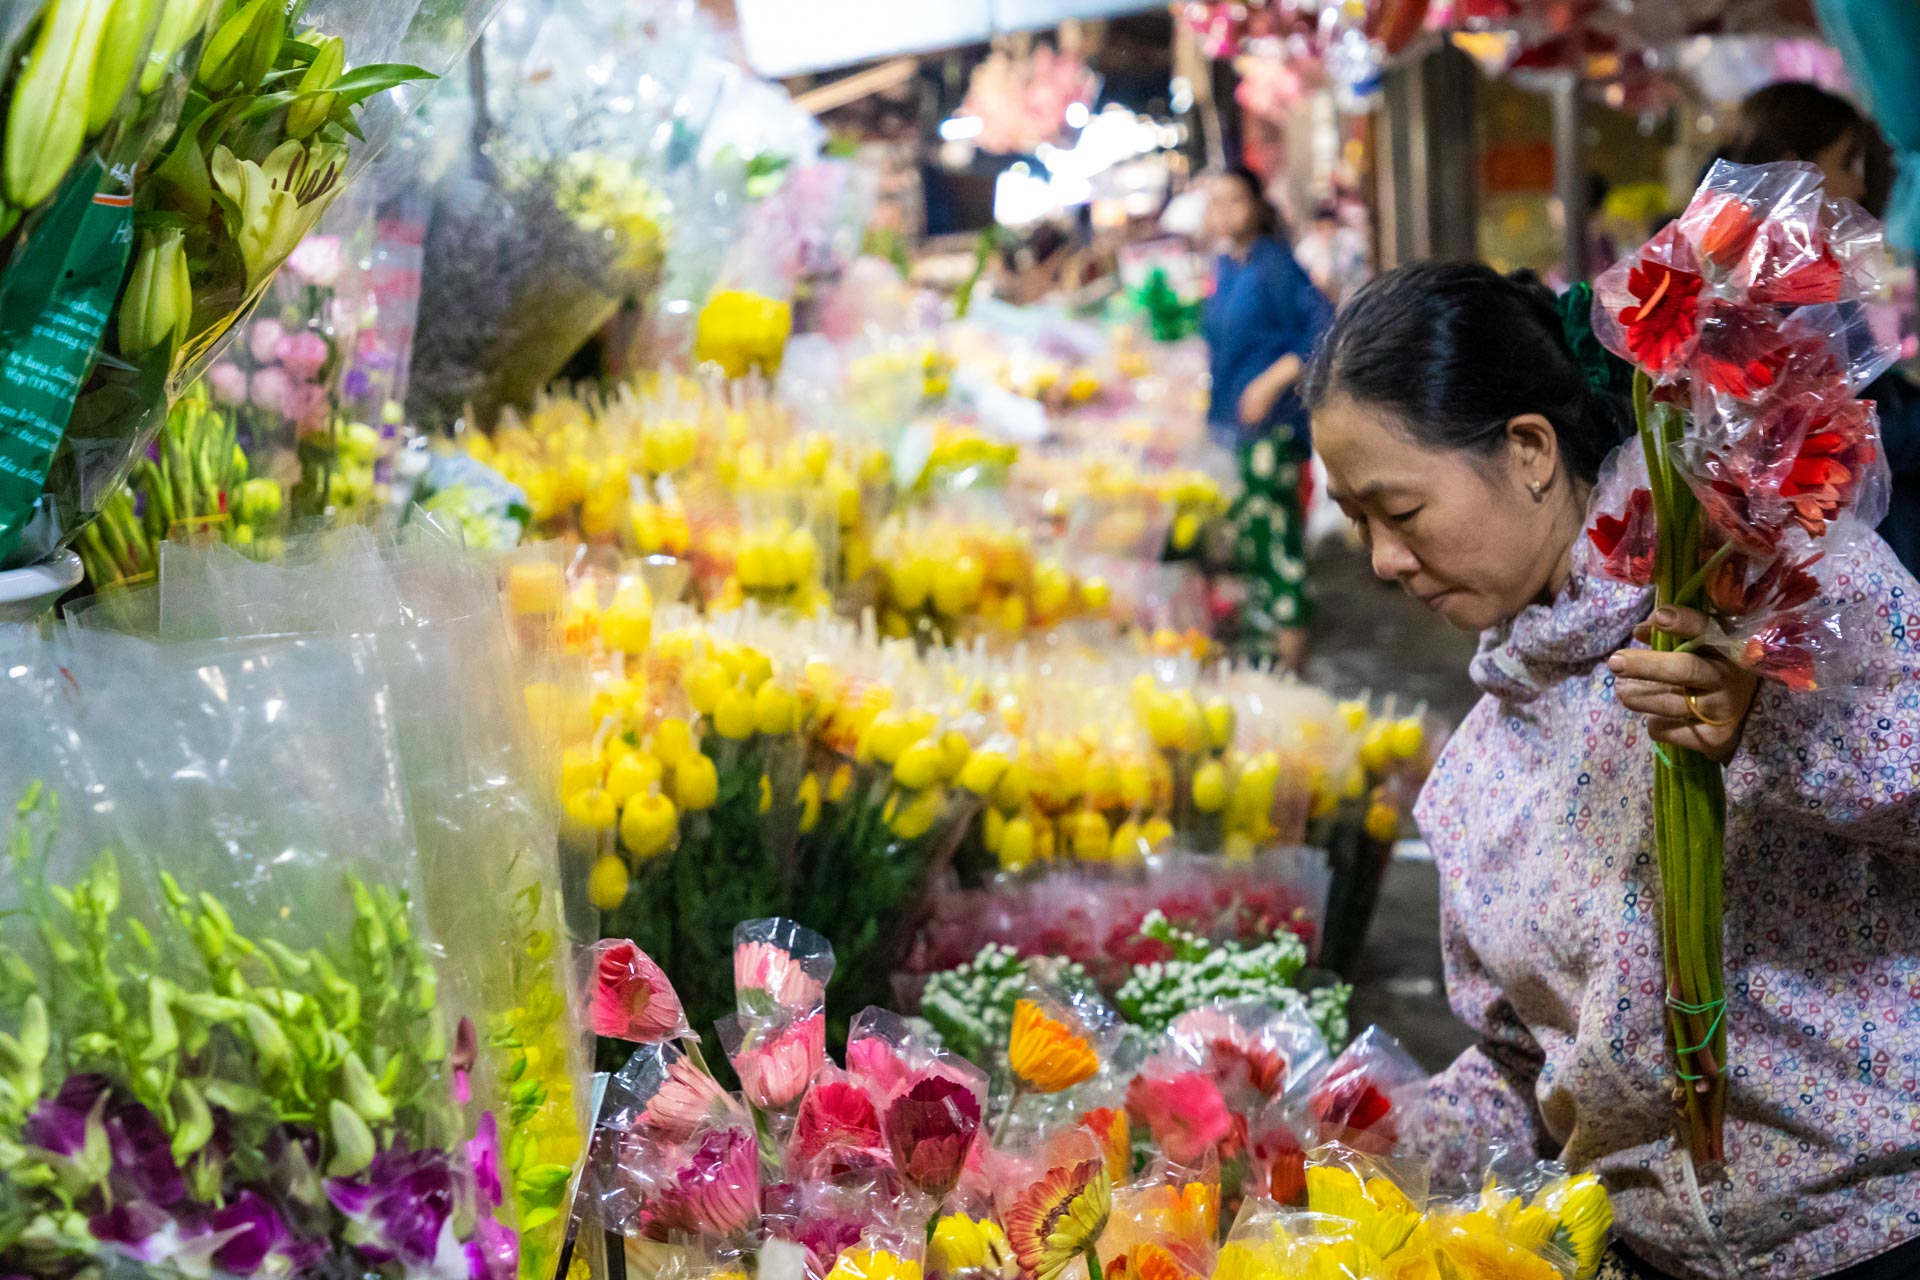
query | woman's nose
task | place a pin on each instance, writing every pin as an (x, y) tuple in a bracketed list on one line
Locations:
[(1391, 558)]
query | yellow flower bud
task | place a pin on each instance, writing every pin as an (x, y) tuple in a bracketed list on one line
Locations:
[(1156, 832), (648, 825), (955, 751), (915, 817), (1015, 786), (840, 784), (607, 882), (983, 771), (808, 798), (590, 811), (889, 735), (673, 741), (705, 683), (1407, 736), (1016, 844), (733, 715), (919, 765), (1210, 787), (633, 774), (775, 710), (696, 782), (1383, 821), (580, 769), (1127, 846), (1092, 842), (1219, 720)]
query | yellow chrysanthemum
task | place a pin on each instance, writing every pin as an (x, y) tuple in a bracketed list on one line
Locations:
[(1045, 1053)]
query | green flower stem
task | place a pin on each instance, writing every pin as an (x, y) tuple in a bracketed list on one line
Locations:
[(1689, 810), (1093, 1261)]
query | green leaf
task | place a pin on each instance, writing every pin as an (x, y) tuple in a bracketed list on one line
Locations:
[(106, 883), (363, 82)]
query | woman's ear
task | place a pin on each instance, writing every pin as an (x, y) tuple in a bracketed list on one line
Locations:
[(1533, 454)]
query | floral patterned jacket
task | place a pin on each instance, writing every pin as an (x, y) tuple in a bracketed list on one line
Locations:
[(1538, 816)]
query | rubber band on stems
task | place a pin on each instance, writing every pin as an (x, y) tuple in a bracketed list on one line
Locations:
[(1717, 1007)]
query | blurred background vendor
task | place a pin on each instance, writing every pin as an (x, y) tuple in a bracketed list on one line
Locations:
[(1262, 322)]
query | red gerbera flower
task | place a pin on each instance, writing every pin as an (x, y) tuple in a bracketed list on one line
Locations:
[(931, 1127), (1721, 226), (1792, 265), (1735, 589), (1833, 457), (1663, 321), (1626, 541), (1784, 649), (835, 1114)]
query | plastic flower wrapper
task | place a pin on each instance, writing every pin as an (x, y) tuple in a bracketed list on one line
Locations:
[(836, 1132), (973, 1245), (1538, 1206), (591, 177), (780, 966), (1059, 1039), (1252, 1051), (828, 1219), (776, 1058), (1355, 1100), (672, 1155), (1055, 1203), (1166, 1227), (291, 1013), (626, 996), (218, 171), (1751, 322), (490, 870), (931, 1103)]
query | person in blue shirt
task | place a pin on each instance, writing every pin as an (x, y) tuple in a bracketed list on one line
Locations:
[(1262, 322)]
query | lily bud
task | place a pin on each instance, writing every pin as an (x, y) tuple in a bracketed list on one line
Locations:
[(121, 43), (47, 119), (150, 308), (243, 50), (308, 114), (179, 20)]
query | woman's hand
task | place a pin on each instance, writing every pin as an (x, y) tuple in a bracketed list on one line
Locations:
[(1690, 699), (1257, 401)]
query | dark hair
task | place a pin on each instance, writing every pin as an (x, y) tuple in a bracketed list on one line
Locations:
[(1792, 118), (1266, 217), (1454, 351)]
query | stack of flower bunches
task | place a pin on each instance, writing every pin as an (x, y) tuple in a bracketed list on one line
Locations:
[(1746, 320), (1068, 1165)]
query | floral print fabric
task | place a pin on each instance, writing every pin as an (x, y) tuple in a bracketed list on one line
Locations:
[(1538, 814)]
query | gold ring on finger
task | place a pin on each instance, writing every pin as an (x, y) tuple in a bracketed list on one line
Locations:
[(1693, 706)]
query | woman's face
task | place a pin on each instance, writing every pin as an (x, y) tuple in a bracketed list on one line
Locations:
[(1232, 216), (1844, 162), (1462, 533)]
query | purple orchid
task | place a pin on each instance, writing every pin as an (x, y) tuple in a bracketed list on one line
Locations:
[(494, 1251), (401, 1209), (143, 1167), (59, 1123), (483, 1154)]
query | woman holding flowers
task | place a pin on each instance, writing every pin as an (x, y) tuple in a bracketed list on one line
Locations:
[(1466, 420)]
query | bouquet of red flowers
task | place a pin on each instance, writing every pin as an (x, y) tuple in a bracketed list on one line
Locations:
[(1748, 321)]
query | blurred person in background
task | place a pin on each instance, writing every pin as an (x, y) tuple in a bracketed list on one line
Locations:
[(1798, 121), (1262, 321), (1333, 253)]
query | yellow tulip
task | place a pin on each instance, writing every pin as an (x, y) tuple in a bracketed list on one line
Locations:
[(915, 817), (1016, 844), (633, 774), (1210, 787), (983, 771), (673, 741), (808, 799), (775, 710), (919, 766), (590, 811)]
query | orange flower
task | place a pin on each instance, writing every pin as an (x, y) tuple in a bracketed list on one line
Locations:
[(1110, 1129), (1148, 1262), (1059, 1218), (1045, 1054)]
